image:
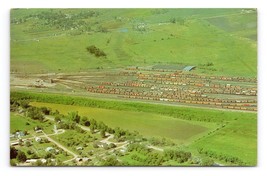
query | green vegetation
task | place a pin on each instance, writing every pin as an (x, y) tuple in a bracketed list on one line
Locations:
[(133, 37), (230, 138), (147, 124), (176, 112), (233, 128), (73, 130)]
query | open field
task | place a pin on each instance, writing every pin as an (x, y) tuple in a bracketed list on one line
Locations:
[(147, 124), (19, 122), (126, 36), (238, 139)]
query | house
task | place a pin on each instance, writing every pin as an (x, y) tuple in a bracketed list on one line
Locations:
[(189, 68), (37, 128), (79, 148), (78, 159), (101, 144), (14, 143), (35, 160), (19, 134), (38, 139), (123, 150), (38, 131), (49, 149)]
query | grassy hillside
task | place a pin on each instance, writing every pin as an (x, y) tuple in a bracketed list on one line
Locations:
[(55, 40)]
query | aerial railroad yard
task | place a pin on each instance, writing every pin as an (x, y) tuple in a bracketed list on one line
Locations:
[(133, 87)]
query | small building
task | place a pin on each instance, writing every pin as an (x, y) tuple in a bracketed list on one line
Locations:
[(49, 149), (19, 134), (101, 144), (35, 160), (123, 150), (37, 128), (38, 131), (189, 68), (14, 143), (38, 139), (78, 159), (79, 148)]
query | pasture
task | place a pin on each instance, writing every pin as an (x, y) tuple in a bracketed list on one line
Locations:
[(193, 38), (147, 124), (22, 123), (239, 139)]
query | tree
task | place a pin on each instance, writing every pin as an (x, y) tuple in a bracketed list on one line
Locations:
[(45, 110), (112, 145), (173, 20), (21, 157), (24, 104), (207, 162), (39, 163), (49, 155), (83, 120), (13, 162), (13, 152), (57, 118), (111, 161), (95, 145), (35, 113), (87, 123), (95, 51), (46, 140), (103, 133), (29, 152), (74, 117), (28, 144)]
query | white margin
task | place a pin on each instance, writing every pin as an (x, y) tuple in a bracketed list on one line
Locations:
[(260, 170)]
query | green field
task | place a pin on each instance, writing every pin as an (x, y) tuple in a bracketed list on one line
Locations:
[(238, 139), (195, 38), (147, 124), (18, 122)]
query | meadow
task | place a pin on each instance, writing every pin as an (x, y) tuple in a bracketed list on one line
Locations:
[(21, 123), (193, 37), (238, 139), (147, 124)]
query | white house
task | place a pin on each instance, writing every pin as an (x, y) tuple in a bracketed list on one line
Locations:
[(38, 139)]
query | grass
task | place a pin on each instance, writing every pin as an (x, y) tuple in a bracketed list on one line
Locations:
[(238, 139), (186, 113), (147, 124), (194, 43), (18, 122), (39, 149)]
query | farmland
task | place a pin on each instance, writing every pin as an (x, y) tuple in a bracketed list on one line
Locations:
[(149, 124), (133, 87)]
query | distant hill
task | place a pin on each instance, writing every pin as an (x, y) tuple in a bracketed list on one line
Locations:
[(216, 41)]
